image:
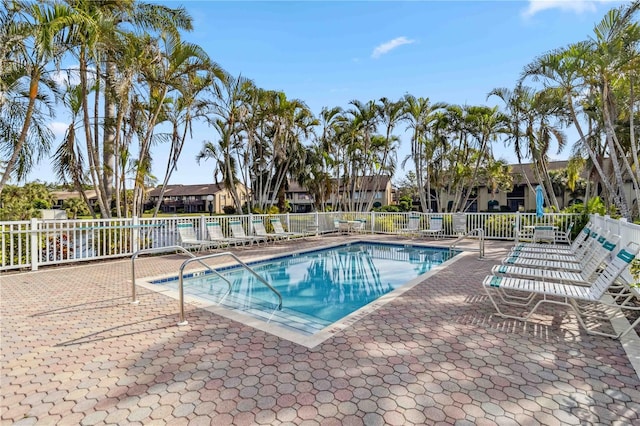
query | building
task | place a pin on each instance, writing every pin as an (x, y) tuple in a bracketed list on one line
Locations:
[(61, 196), (366, 188), (301, 201), (522, 198), (200, 198)]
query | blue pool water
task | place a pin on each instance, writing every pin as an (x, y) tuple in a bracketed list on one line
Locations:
[(317, 287)]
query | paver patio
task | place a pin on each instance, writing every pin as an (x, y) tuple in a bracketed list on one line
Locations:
[(75, 351)]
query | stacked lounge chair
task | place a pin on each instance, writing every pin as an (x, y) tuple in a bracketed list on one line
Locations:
[(278, 229), (260, 231), (581, 239), (591, 263), (188, 238), (214, 232), (238, 233), (593, 295)]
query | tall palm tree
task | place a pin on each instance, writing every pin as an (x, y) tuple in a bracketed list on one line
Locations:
[(419, 114), (535, 119), (28, 90), (100, 38), (175, 61), (390, 114), (486, 124), (563, 69), (226, 114), (614, 36)]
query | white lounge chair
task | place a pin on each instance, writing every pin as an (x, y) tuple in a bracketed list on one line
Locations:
[(581, 239), (344, 227), (357, 225), (238, 233), (561, 255), (544, 233), (214, 233), (525, 258), (279, 230), (413, 226), (565, 236), (189, 239), (589, 267), (260, 231), (435, 227), (568, 294)]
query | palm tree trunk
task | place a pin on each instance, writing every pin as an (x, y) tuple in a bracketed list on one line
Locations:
[(108, 145), (92, 152), (594, 158), (634, 145), (619, 196)]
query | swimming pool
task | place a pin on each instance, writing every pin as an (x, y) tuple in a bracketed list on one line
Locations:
[(318, 288)]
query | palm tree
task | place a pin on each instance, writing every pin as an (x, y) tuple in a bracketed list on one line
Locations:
[(615, 36), (68, 160), (486, 124), (175, 62), (28, 91), (419, 113), (105, 31), (531, 129), (562, 69), (226, 112)]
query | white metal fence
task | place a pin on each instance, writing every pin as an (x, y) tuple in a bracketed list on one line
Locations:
[(34, 243)]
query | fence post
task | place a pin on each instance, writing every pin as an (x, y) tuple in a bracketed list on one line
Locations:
[(135, 234), (33, 238), (516, 227), (373, 221), (203, 227), (288, 222)]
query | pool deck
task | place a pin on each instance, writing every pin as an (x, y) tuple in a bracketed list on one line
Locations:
[(74, 350)]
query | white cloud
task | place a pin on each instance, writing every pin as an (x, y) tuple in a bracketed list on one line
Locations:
[(67, 78), (577, 6), (390, 45), (58, 128)]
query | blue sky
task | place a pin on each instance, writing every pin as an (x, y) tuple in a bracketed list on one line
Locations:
[(327, 53)]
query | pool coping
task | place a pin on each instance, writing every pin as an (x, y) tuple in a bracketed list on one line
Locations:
[(308, 341)]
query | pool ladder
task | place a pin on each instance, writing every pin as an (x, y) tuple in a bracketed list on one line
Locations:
[(198, 259), (479, 232)]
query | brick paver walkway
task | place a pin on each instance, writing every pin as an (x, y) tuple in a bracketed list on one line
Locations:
[(75, 351)]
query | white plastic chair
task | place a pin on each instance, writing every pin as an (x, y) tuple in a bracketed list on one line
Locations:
[(279, 230), (564, 236), (260, 231), (188, 238), (413, 226), (435, 227), (238, 233)]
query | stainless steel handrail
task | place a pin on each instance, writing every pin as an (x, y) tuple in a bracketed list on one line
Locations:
[(163, 250), (209, 256), (480, 233)]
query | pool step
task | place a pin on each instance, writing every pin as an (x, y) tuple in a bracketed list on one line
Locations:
[(286, 318)]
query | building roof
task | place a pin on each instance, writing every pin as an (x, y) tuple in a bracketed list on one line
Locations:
[(368, 183), (187, 190), (65, 195), (526, 169)]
